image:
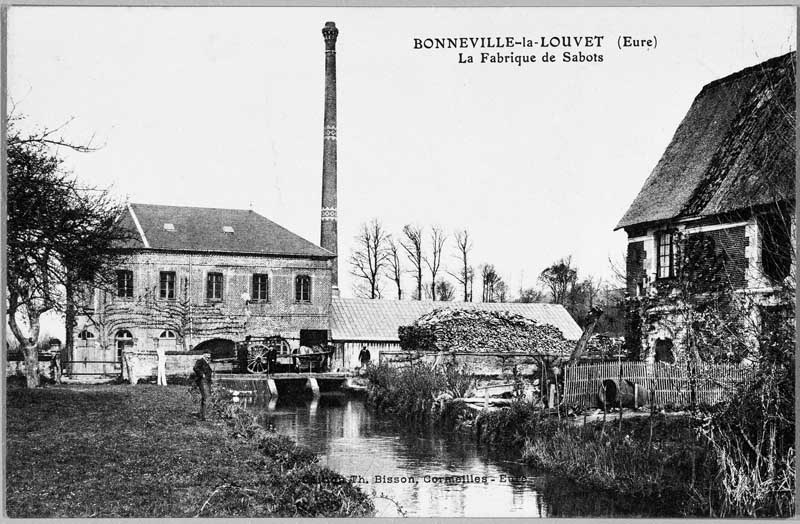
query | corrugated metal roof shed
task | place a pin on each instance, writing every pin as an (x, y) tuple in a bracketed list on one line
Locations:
[(360, 319)]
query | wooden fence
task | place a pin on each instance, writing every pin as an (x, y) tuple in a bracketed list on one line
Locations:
[(667, 384)]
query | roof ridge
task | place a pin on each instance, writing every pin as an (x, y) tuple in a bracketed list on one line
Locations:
[(197, 207), (756, 68)]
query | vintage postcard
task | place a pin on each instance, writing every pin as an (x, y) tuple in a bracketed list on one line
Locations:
[(419, 262)]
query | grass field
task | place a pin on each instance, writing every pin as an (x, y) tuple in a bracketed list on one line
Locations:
[(122, 451)]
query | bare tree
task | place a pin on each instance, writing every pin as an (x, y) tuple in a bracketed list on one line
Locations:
[(559, 278), (435, 260), (412, 244), (465, 273), (445, 290), (500, 291), (394, 270), (370, 256), (618, 269), (491, 283)]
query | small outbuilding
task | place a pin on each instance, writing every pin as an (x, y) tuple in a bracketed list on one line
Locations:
[(356, 323)]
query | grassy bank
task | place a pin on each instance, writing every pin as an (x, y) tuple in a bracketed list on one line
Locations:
[(122, 451)]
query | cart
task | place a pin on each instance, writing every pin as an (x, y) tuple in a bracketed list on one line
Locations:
[(260, 355), (265, 355)]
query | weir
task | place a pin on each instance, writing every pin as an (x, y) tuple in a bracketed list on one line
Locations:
[(291, 384)]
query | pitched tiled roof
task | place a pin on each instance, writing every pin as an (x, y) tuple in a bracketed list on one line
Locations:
[(733, 150), (201, 229), (361, 319)]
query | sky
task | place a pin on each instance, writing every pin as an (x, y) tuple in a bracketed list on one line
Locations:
[(223, 107)]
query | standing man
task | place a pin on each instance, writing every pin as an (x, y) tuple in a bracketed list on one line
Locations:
[(364, 357), (202, 377), (55, 366)]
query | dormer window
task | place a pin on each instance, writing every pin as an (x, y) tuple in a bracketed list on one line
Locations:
[(169, 227), (227, 229)]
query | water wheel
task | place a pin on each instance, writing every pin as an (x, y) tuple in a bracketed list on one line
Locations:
[(257, 359)]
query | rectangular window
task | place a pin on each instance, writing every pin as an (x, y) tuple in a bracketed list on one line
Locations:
[(124, 283), (260, 288), (302, 288), (167, 285), (214, 286), (666, 255)]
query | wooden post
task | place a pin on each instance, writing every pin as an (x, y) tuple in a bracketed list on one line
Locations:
[(551, 400), (273, 388), (314, 386), (485, 398)]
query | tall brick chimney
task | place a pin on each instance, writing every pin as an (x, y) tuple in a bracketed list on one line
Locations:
[(328, 229)]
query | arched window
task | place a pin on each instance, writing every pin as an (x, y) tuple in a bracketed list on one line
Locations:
[(122, 340), (302, 288), (86, 338), (167, 339), (85, 335)]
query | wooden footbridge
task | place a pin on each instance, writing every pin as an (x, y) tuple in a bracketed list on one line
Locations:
[(287, 383)]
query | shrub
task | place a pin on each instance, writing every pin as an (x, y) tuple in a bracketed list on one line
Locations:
[(458, 380), (409, 392), (752, 438)]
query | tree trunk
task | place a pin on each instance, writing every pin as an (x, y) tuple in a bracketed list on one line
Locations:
[(69, 323), (31, 353), (28, 344), (433, 290), (592, 317)]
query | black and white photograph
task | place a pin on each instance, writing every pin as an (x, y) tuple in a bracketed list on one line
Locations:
[(530, 262)]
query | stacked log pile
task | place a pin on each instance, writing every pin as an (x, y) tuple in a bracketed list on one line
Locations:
[(472, 330)]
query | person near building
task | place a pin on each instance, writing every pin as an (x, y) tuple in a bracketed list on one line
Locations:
[(202, 377), (55, 367), (364, 357)]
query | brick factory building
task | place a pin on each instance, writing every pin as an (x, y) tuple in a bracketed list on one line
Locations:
[(717, 212), (198, 278)]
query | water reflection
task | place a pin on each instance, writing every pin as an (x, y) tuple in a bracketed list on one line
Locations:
[(428, 473)]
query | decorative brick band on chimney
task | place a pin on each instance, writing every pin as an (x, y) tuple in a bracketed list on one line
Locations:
[(328, 228)]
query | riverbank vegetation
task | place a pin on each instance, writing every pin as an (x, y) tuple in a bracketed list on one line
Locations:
[(123, 451), (732, 460), (418, 392)]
